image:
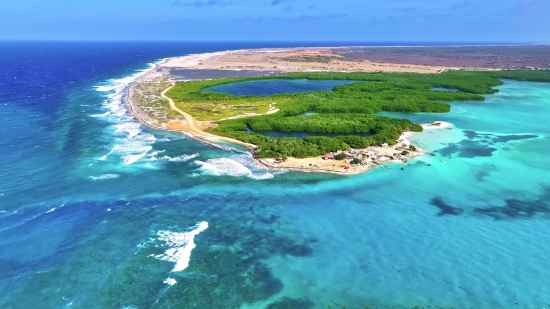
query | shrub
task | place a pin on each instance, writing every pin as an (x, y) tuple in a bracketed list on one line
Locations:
[(340, 156)]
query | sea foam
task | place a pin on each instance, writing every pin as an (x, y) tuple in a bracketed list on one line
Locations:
[(101, 115), (169, 281), (131, 144), (179, 246), (104, 176), (182, 158), (231, 167)]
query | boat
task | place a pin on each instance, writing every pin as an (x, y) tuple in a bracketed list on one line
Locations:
[(429, 164)]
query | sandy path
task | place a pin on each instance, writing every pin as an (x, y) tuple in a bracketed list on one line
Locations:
[(191, 125)]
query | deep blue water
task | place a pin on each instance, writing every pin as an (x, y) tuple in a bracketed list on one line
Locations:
[(96, 210), (277, 86)]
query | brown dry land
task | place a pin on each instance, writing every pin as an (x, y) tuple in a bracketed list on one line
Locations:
[(470, 57), (371, 59), (291, 60)]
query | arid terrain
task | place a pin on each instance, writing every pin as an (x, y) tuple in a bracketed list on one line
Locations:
[(367, 59), (472, 57)]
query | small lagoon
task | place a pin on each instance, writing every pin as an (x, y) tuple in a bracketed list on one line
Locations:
[(269, 87)]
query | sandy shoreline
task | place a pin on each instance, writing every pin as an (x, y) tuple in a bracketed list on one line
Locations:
[(189, 126)]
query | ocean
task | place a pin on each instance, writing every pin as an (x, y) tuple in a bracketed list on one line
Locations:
[(99, 211)]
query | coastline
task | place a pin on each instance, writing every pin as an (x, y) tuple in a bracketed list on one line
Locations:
[(197, 137), (189, 128)]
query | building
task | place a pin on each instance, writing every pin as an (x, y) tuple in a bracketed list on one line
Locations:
[(328, 156)]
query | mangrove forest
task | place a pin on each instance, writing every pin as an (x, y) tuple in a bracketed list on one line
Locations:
[(346, 111)]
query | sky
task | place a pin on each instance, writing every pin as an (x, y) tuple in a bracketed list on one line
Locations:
[(482, 21)]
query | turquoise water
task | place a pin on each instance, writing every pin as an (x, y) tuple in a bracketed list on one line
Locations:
[(98, 211), (277, 86)]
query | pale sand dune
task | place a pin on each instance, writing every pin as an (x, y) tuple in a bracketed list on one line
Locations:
[(274, 59)]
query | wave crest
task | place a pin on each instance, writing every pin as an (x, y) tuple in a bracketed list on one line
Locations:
[(230, 167), (104, 176), (179, 246)]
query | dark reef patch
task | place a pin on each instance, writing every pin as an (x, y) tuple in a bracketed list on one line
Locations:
[(471, 134), (472, 149), (291, 303), (507, 138), (445, 209), (519, 209), (226, 268), (479, 144), (297, 250), (267, 219), (480, 175), (512, 209)]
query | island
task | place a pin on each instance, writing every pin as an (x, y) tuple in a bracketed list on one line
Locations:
[(337, 130)]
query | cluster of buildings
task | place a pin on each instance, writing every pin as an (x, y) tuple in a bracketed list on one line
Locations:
[(366, 157)]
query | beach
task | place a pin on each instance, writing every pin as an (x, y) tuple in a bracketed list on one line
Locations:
[(250, 61)]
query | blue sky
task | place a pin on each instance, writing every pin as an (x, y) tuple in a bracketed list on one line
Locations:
[(268, 20)]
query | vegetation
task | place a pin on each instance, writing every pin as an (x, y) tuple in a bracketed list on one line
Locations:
[(349, 110), (147, 96), (340, 156), (319, 59)]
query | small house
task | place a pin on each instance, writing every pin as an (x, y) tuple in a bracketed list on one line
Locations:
[(385, 145), (328, 156)]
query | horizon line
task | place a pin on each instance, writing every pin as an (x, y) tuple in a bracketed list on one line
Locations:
[(391, 42)]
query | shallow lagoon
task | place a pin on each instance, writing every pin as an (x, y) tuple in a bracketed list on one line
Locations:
[(80, 219), (277, 86)]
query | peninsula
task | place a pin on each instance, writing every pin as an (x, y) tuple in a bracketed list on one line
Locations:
[(340, 129)]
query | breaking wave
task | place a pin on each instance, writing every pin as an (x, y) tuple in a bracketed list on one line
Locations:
[(131, 144), (170, 281), (179, 246), (104, 176), (182, 158), (231, 167)]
